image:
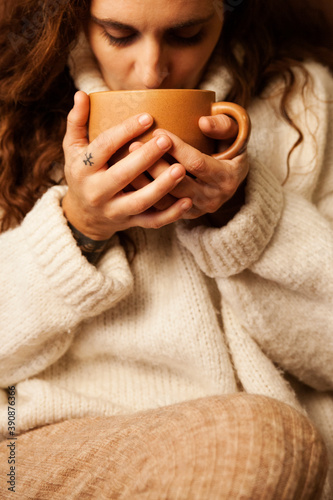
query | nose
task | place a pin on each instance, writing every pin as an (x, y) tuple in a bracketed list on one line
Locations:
[(151, 66)]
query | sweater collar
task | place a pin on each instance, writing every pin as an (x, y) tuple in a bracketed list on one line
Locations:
[(88, 77)]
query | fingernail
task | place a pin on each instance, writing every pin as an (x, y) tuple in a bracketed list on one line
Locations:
[(177, 172), (134, 146), (163, 142), (186, 206), (204, 121), (145, 119)]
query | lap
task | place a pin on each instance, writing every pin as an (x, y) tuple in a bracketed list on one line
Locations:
[(223, 447)]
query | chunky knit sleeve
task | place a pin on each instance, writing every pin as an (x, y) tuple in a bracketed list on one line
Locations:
[(273, 262), (48, 288)]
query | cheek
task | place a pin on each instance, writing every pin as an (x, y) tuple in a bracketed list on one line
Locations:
[(192, 64), (190, 67), (107, 62), (101, 49)]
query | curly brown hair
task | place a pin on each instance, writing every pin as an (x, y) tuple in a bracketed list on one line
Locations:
[(36, 94), (36, 90)]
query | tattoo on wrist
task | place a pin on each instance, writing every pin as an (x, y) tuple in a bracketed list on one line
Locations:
[(91, 249)]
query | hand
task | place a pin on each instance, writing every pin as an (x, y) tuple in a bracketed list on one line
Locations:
[(215, 181), (96, 203)]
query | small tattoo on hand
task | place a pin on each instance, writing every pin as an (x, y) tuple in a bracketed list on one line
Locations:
[(88, 159)]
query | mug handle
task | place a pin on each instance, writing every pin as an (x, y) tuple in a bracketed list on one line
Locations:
[(244, 128)]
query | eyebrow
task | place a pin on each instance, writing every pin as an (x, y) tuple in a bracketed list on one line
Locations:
[(110, 23)]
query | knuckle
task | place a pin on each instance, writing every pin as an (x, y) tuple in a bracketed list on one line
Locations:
[(228, 180), (111, 214), (120, 177), (229, 189), (212, 206), (129, 127), (240, 166), (194, 213), (104, 141), (150, 153), (230, 185), (198, 166), (93, 199), (137, 205), (227, 124), (71, 118), (72, 121), (65, 142), (156, 224), (222, 120), (146, 154)]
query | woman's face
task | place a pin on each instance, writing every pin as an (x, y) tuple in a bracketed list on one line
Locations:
[(148, 44)]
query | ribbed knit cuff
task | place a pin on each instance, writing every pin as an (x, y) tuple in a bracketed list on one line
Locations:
[(81, 285), (223, 252)]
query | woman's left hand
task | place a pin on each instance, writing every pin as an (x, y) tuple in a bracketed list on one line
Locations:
[(215, 181)]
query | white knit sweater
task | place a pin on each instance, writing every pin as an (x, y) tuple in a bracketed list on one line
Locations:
[(199, 311)]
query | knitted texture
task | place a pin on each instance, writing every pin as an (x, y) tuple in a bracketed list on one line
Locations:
[(211, 448), (199, 311)]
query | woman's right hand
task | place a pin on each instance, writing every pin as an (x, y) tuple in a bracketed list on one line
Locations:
[(96, 203)]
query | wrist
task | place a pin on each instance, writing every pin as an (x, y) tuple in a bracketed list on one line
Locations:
[(87, 224), (229, 209), (91, 249)]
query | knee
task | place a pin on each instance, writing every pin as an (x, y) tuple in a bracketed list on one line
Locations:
[(267, 444)]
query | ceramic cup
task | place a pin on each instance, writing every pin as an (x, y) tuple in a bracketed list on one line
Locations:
[(176, 110)]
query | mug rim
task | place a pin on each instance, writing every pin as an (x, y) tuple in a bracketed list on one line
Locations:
[(151, 91)]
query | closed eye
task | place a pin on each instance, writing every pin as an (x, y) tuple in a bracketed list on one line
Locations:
[(187, 33), (172, 38), (184, 38), (120, 41)]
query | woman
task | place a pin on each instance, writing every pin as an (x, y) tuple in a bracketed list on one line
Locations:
[(230, 288)]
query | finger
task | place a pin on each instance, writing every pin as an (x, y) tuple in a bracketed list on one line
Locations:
[(219, 127), (76, 133), (155, 220), (216, 180), (134, 146), (140, 182), (143, 180), (158, 168), (126, 170), (204, 168), (202, 194), (186, 188), (164, 202), (110, 141), (198, 164), (155, 170), (139, 201)]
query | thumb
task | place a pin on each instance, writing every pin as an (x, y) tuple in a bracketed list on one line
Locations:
[(219, 127), (76, 133)]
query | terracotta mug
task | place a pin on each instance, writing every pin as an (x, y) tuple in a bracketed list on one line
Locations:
[(175, 110)]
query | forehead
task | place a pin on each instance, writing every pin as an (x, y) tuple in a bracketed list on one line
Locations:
[(154, 12)]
